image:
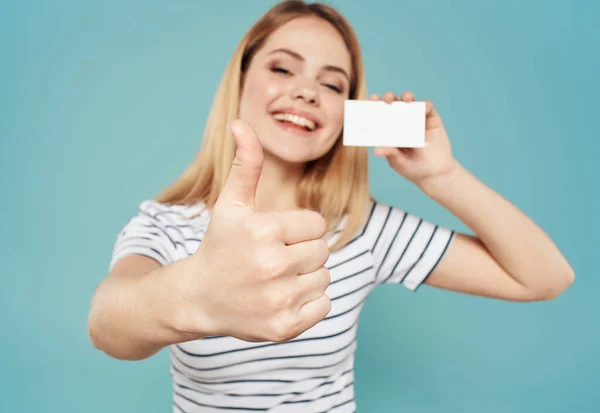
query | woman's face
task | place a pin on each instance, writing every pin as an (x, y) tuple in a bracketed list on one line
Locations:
[(294, 90)]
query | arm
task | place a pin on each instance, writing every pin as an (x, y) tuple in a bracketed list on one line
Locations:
[(134, 310), (241, 281), (510, 257)]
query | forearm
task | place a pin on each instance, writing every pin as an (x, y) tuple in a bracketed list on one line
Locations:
[(520, 246), (133, 317)]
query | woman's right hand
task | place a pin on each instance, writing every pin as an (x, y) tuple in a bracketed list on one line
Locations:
[(256, 276)]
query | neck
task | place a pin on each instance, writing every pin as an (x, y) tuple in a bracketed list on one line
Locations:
[(277, 187)]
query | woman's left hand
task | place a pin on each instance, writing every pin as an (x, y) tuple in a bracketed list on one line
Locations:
[(421, 165)]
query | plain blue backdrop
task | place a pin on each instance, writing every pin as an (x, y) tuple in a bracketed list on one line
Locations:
[(103, 103)]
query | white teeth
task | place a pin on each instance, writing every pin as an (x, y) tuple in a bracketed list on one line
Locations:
[(295, 119)]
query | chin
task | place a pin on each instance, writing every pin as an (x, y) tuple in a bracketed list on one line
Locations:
[(291, 155), (291, 145)]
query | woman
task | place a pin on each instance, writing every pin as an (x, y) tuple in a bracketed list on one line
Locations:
[(254, 266)]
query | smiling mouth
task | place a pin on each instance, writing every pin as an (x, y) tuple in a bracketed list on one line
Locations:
[(300, 122)]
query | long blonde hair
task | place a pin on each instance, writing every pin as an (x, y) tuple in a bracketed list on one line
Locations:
[(336, 185)]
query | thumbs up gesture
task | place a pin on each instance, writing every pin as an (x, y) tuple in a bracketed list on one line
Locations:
[(260, 276)]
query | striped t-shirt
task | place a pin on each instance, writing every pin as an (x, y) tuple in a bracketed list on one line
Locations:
[(313, 372)]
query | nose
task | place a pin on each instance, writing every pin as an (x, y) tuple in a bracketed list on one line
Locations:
[(307, 93)]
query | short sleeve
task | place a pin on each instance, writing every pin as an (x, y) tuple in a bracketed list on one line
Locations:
[(407, 248), (145, 234)]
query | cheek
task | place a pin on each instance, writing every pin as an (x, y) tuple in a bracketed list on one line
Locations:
[(272, 91), (335, 114), (261, 91)]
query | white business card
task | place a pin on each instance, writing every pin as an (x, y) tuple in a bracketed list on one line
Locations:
[(378, 123)]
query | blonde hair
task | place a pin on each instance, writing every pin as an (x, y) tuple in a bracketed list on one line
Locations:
[(335, 185)]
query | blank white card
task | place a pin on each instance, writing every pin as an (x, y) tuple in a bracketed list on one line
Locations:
[(378, 123)]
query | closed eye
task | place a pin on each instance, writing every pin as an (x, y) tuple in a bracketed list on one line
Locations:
[(334, 88), (278, 69), (283, 71)]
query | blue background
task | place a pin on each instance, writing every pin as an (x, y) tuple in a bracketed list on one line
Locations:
[(102, 104)]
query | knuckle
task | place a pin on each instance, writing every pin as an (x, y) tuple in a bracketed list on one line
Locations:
[(278, 301), (285, 329), (323, 251), (263, 230), (274, 302), (326, 278), (274, 267), (274, 229), (321, 280), (321, 224), (252, 228), (326, 304)]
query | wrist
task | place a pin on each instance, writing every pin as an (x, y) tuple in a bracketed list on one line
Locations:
[(435, 186), (189, 316)]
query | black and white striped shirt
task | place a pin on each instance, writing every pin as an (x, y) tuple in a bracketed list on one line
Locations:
[(313, 372)]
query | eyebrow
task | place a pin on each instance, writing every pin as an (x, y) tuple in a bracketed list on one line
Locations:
[(330, 68)]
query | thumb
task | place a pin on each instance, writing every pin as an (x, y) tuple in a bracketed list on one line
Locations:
[(384, 151), (241, 184)]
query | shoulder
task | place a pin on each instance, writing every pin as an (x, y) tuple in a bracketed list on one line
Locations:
[(171, 212), (382, 215), (405, 246), (389, 220), (178, 222), (375, 217), (166, 232)]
